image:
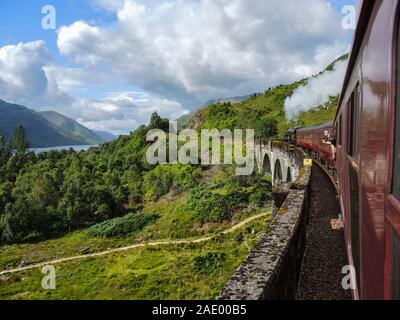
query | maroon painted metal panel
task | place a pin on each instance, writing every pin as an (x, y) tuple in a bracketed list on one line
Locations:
[(372, 69), (311, 139), (365, 123)]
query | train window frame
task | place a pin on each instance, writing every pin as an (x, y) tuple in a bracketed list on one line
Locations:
[(350, 130), (394, 263), (396, 138), (357, 110), (340, 133), (353, 106)]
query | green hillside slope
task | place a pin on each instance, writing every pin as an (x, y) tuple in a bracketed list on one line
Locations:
[(105, 135), (44, 129), (72, 129), (41, 133), (261, 112), (264, 112)]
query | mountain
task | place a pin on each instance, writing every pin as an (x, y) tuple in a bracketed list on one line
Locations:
[(231, 100), (40, 131), (72, 129), (105, 135), (185, 120)]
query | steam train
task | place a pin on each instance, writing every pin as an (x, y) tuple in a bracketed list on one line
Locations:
[(367, 160)]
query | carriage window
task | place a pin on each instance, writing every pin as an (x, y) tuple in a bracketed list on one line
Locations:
[(357, 110), (340, 134), (395, 265), (354, 108), (350, 131), (355, 218), (396, 149)]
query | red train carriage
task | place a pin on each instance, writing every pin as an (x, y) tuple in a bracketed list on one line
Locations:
[(368, 152), (367, 128), (311, 138)]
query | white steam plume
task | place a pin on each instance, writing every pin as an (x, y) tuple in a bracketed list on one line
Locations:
[(316, 92)]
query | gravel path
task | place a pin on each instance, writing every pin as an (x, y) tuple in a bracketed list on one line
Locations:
[(324, 257), (134, 246)]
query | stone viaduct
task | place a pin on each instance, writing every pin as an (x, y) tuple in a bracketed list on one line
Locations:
[(278, 160), (271, 270)]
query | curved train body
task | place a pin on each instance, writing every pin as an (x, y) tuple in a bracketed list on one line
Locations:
[(367, 130), (311, 138)]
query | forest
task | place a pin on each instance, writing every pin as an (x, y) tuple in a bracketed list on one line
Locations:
[(51, 194)]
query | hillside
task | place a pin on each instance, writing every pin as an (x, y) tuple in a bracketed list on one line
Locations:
[(264, 112), (258, 112), (184, 121), (40, 131), (72, 129), (105, 135), (66, 204), (232, 100)]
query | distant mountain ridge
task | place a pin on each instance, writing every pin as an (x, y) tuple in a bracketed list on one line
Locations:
[(184, 121), (232, 100), (72, 129), (44, 129), (105, 135)]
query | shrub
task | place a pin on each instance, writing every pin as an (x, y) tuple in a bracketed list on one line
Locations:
[(205, 206), (209, 262), (132, 222), (260, 197), (163, 178)]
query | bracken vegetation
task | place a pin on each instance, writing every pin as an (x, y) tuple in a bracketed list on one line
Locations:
[(122, 226)]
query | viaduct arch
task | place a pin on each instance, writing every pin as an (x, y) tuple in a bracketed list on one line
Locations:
[(278, 161)]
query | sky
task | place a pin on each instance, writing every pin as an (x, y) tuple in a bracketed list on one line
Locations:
[(110, 63)]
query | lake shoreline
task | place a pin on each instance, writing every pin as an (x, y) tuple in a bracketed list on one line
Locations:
[(77, 148)]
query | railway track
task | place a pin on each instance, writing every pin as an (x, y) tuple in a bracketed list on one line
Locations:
[(324, 257)]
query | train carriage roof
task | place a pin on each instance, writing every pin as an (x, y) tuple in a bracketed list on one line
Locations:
[(327, 125)]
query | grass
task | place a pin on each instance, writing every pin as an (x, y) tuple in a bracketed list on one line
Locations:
[(167, 272), (167, 210)]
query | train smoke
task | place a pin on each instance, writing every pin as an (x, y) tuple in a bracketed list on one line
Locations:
[(316, 92)]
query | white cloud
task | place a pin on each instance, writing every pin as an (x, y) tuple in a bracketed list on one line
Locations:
[(71, 80), (28, 77), (316, 92), (24, 78), (197, 50), (120, 112), (109, 5), (182, 53)]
